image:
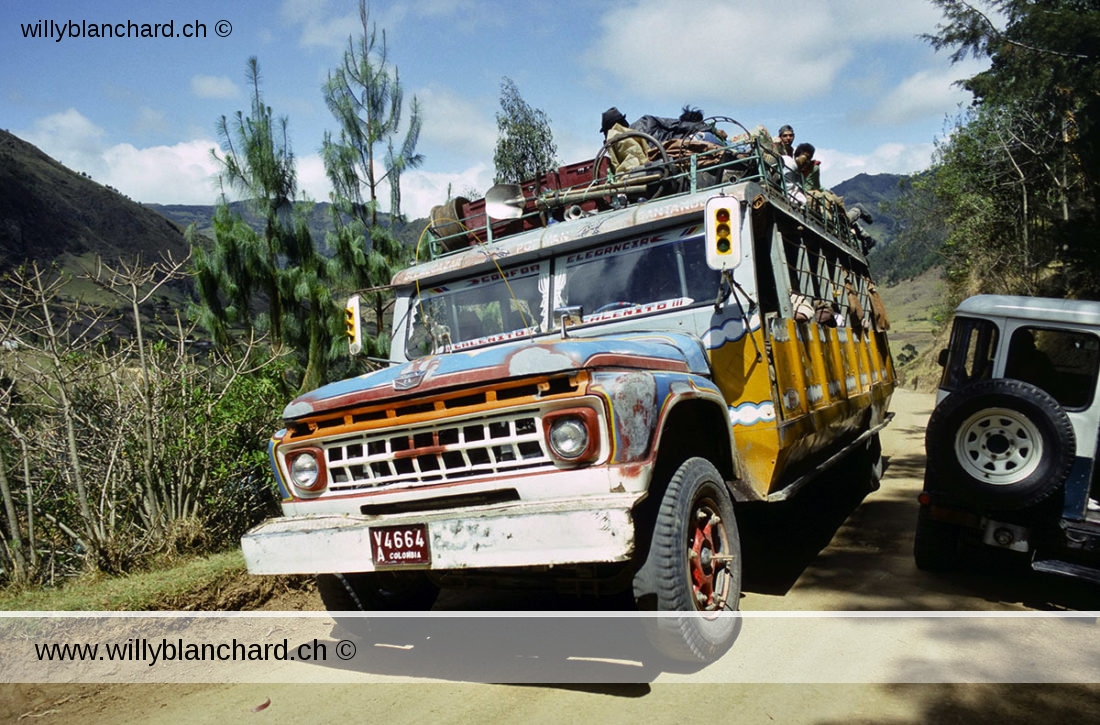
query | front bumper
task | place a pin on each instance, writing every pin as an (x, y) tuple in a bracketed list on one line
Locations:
[(587, 529)]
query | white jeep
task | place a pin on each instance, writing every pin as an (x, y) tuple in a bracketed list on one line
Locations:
[(1012, 443)]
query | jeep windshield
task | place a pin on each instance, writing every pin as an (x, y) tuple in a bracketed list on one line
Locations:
[(615, 281)]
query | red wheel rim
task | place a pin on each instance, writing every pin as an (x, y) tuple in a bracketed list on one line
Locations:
[(708, 557)]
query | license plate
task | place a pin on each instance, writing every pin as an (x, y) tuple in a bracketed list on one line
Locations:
[(392, 545)]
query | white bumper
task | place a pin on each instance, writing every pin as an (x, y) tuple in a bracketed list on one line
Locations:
[(543, 533)]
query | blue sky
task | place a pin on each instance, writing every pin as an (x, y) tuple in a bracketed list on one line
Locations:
[(139, 114)]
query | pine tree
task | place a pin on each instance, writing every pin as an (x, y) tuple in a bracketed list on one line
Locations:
[(364, 95), (277, 268)]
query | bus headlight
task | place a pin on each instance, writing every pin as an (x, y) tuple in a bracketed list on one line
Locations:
[(572, 434), (568, 437), (306, 471)]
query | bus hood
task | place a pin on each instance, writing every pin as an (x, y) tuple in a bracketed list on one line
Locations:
[(523, 358)]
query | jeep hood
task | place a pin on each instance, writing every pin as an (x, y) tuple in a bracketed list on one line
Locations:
[(520, 359)]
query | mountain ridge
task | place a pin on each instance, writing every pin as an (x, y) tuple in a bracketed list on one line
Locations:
[(48, 210)]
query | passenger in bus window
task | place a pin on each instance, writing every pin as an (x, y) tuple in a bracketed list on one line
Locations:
[(803, 310)]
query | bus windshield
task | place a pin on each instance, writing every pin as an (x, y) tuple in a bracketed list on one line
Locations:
[(501, 305), (635, 277), (628, 278)]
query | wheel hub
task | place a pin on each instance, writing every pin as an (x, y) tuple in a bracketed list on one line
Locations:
[(997, 444), (706, 561), (1000, 446)]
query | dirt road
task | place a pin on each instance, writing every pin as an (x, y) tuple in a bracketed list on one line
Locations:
[(829, 550)]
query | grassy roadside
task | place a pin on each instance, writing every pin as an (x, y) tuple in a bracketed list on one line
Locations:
[(216, 582), (915, 308)]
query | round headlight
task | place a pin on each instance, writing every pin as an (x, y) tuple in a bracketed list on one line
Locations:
[(305, 470), (569, 437)]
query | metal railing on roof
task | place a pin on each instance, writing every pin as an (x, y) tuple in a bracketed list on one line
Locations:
[(677, 167)]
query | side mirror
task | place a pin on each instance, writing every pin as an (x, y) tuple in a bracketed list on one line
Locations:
[(565, 317), (942, 359)]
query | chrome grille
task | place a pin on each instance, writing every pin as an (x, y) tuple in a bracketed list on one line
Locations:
[(437, 452)]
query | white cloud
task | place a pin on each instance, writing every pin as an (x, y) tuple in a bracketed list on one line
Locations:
[(465, 127), (333, 33), (421, 190), (925, 92), (317, 29), (71, 138), (889, 158), (312, 181), (183, 173), (867, 21), (205, 86), (718, 51), (730, 54)]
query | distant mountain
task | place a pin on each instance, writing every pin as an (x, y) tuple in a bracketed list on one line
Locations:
[(48, 210), (319, 221), (202, 216), (874, 193), (871, 187)]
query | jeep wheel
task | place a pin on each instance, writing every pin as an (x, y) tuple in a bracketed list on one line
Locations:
[(936, 546), (999, 444), (696, 555)]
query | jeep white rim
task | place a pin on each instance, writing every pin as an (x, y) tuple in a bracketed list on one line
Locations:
[(999, 446)]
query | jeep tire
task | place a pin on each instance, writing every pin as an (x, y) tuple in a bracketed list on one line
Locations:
[(999, 445)]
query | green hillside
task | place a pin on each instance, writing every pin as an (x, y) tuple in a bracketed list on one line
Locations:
[(875, 193), (48, 211)]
